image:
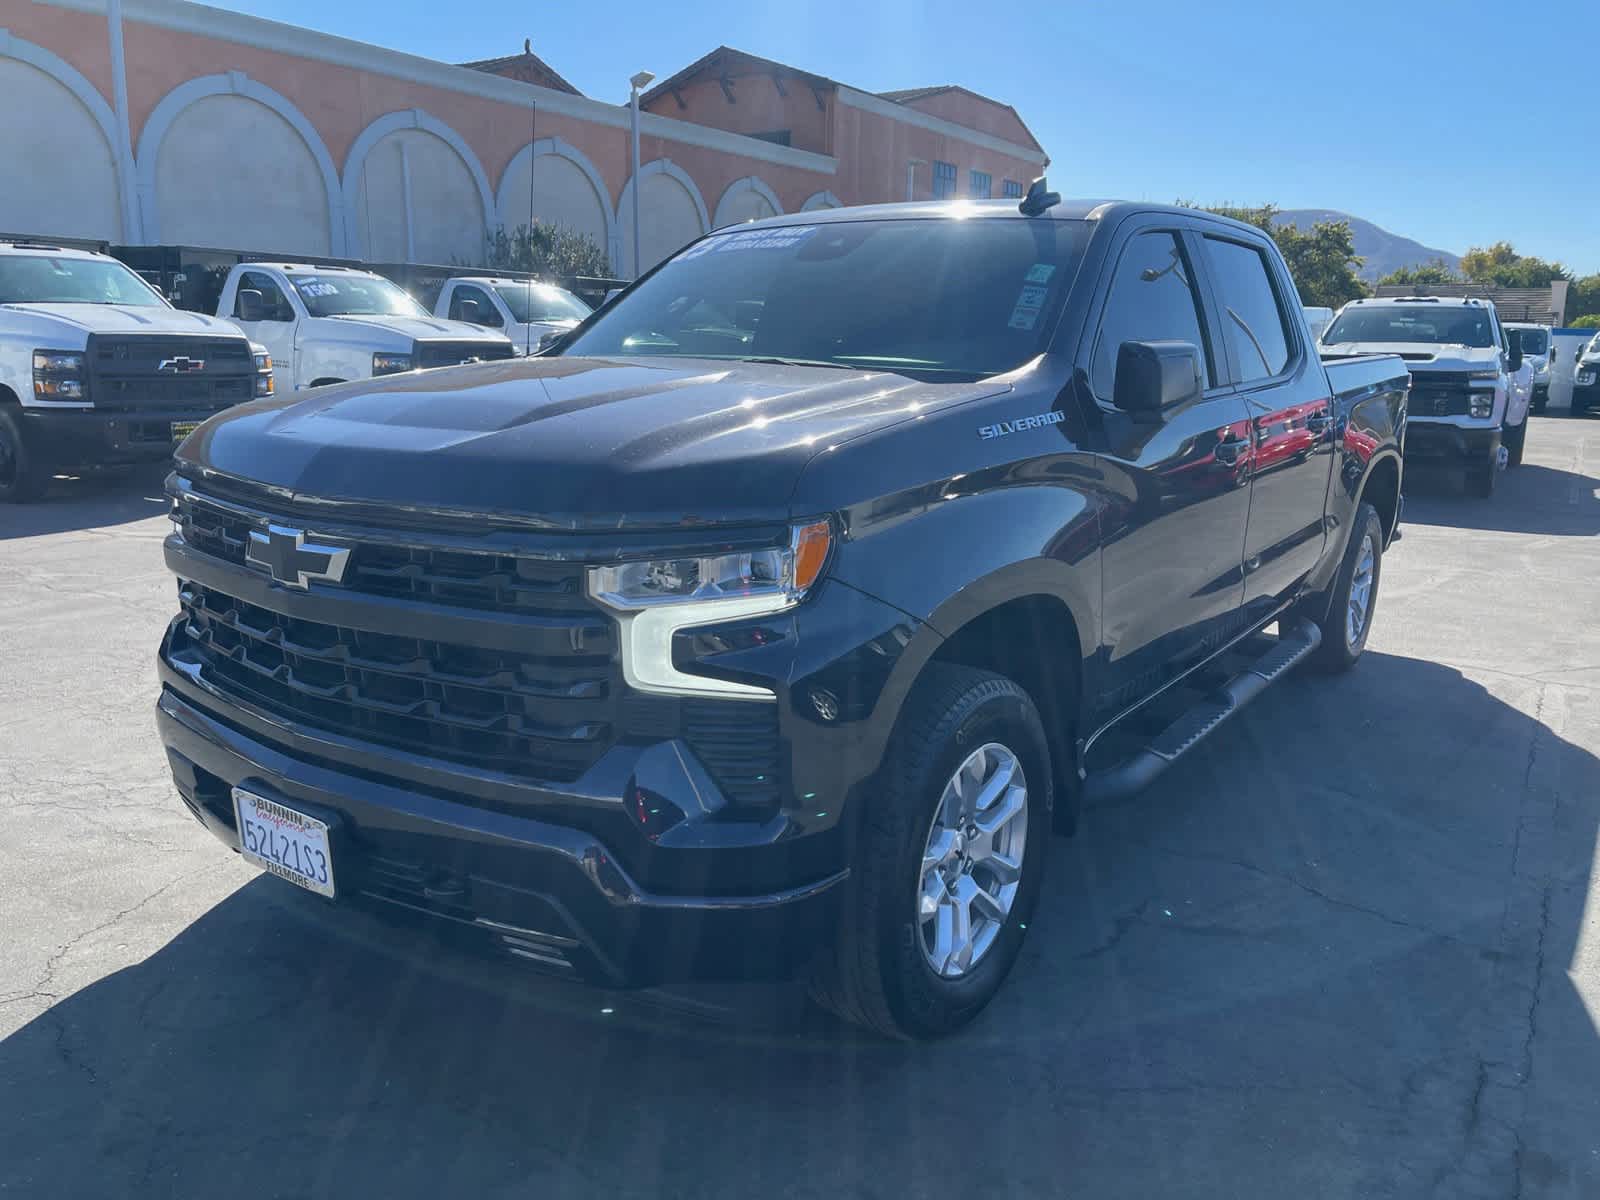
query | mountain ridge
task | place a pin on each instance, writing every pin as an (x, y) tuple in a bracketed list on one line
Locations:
[(1384, 251)]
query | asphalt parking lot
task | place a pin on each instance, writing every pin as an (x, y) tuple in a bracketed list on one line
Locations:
[(1350, 952)]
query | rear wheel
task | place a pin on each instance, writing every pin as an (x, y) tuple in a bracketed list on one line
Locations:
[(1347, 620), (949, 863), (1540, 401), (22, 476)]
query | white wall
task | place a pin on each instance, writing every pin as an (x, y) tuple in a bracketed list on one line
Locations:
[(670, 215), (563, 195), (416, 169), (231, 172), (61, 175)]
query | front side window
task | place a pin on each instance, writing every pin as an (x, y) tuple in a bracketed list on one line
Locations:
[(485, 314), (1252, 317), (1152, 299), (1443, 324), (275, 305), (979, 184), (934, 299), (944, 180), (541, 302), (41, 279), (354, 296)]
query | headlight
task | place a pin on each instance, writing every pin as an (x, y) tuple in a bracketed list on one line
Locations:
[(1481, 404), (390, 364), (58, 375), (263, 375), (1481, 377), (653, 600)]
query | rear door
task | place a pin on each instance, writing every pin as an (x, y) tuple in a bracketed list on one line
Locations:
[(1281, 381), (1175, 485)]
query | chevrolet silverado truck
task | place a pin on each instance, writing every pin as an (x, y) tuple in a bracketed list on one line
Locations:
[(526, 311), (1586, 379), (772, 622), (327, 325), (97, 369), (1470, 388)]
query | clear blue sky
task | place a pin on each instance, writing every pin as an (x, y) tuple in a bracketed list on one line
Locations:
[(1455, 122)]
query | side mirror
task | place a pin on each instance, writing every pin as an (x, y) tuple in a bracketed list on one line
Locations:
[(251, 306), (1153, 377), (610, 296), (553, 340), (469, 310), (1515, 338)]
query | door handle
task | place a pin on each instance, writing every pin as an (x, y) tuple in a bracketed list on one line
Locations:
[(1229, 450), (1319, 422)]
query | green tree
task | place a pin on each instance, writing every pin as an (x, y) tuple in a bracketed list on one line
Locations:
[(1501, 266), (545, 249), (1322, 260), (1437, 271), (1587, 321), (1583, 299)]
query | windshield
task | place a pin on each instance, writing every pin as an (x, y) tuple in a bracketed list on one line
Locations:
[(1450, 326), (41, 279), (1535, 340), (354, 295), (938, 299), (541, 302), (1412, 324)]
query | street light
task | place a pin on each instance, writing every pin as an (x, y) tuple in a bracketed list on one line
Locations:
[(641, 80)]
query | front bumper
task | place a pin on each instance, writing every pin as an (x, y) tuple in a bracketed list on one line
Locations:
[(545, 892), (1431, 441), (1587, 398), (86, 437)]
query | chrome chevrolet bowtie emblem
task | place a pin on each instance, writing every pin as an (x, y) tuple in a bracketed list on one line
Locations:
[(181, 365), (285, 554)]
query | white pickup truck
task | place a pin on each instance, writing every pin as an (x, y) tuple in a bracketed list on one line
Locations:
[(524, 311), (97, 369), (1470, 385), (334, 324)]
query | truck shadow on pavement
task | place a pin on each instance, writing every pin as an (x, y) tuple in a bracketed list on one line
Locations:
[(88, 502), (1529, 499), (1311, 963)]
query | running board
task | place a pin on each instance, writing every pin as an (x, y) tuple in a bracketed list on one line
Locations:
[(1293, 646)]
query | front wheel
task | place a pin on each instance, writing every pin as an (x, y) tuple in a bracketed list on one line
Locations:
[(949, 862), (22, 477), (1514, 441), (1348, 618), (1481, 479)]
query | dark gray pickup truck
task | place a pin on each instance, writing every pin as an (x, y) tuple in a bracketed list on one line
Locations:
[(773, 623)]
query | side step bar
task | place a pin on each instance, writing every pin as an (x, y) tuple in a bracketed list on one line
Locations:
[(1188, 731)]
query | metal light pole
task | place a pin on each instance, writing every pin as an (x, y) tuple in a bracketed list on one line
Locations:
[(641, 80)]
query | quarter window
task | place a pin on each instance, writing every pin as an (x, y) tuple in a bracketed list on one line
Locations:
[(1151, 300), (1252, 316), (944, 180)]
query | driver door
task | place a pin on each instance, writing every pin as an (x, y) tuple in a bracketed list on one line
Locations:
[(276, 329)]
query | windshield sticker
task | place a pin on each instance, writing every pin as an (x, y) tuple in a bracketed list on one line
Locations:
[(1023, 318), (753, 239), (1040, 272), (1031, 297), (315, 289)]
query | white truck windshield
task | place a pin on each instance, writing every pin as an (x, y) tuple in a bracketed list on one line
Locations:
[(1441, 324), (40, 279), (541, 302), (354, 295)]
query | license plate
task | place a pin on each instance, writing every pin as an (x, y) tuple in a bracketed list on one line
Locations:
[(287, 843), (182, 429), (1585, 378)]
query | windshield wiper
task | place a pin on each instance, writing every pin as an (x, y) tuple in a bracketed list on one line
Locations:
[(801, 362)]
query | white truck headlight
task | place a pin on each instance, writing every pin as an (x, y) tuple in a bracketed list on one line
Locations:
[(655, 599), (390, 364), (263, 374), (58, 375), (1481, 404)]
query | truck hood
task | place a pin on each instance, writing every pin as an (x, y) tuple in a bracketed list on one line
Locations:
[(1427, 356), (425, 328), (568, 443), (114, 318)]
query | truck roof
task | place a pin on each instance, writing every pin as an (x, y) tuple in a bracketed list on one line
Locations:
[(1065, 210), (499, 281), (292, 268), (1385, 301), (34, 248)]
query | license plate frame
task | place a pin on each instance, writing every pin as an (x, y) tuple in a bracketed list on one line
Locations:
[(182, 429), (284, 841)]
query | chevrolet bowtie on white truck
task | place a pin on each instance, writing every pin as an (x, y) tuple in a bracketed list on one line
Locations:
[(97, 369), (1469, 385), (335, 324), (525, 311)]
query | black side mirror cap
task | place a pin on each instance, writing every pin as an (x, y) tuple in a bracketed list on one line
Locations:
[(1514, 336), (469, 311), (251, 305), (1155, 377)]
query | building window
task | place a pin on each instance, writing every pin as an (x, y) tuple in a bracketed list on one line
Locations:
[(978, 184), (944, 180), (1010, 189), (778, 137)]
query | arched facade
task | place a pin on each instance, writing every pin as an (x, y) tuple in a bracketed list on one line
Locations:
[(568, 191), (672, 213), (747, 199), (414, 191)]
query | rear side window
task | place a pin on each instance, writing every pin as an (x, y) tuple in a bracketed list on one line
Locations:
[(1151, 300), (1252, 317)]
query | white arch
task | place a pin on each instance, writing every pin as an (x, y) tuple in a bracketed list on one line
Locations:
[(819, 200), (656, 166), (410, 118), (517, 170), (232, 83), (64, 73), (739, 187)]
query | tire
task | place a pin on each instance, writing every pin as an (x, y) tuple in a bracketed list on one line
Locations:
[(22, 476), (1513, 441), (880, 972), (1338, 651), (1482, 478), (1540, 401)]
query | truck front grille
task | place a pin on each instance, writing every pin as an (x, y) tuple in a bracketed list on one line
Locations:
[(451, 354), (518, 714), (1438, 394), (147, 373)]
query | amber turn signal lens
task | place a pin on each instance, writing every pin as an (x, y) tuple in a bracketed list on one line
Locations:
[(811, 545)]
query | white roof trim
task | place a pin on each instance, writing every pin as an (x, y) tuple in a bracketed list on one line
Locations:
[(302, 43), (877, 105)]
